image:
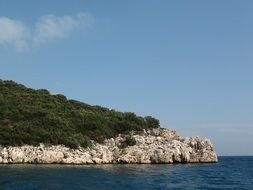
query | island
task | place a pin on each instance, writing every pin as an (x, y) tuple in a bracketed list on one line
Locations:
[(37, 127)]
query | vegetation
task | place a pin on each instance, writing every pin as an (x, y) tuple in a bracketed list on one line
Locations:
[(29, 116), (129, 141)]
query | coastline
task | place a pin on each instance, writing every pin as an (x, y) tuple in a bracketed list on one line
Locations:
[(156, 146)]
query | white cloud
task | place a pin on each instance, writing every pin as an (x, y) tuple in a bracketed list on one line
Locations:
[(48, 28), (13, 32), (51, 27)]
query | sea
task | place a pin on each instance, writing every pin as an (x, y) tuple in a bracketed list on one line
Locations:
[(228, 173)]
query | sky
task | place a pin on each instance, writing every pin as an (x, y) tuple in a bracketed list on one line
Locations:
[(188, 63)]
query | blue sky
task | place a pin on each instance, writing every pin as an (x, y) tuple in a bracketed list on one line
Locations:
[(188, 63)]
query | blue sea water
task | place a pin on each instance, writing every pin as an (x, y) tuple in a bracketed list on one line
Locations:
[(229, 173)]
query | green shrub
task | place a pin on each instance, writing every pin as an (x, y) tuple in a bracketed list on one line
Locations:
[(30, 116), (152, 122), (129, 141)]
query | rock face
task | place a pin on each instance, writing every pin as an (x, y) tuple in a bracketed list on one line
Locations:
[(152, 146)]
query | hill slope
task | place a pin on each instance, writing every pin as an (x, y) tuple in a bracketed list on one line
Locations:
[(29, 116)]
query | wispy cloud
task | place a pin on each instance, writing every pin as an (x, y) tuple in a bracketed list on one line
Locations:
[(51, 27), (48, 28), (14, 33)]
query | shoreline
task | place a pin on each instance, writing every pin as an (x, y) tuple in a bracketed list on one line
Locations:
[(156, 146)]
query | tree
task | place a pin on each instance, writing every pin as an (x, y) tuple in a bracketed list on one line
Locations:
[(152, 122)]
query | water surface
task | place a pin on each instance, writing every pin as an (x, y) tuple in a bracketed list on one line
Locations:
[(229, 173)]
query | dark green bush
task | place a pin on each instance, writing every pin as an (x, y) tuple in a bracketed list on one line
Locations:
[(30, 116), (129, 141), (152, 122)]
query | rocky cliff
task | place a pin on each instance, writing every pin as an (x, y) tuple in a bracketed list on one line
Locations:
[(151, 146)]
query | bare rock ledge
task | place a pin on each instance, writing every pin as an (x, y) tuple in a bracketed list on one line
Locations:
[(151, 146)]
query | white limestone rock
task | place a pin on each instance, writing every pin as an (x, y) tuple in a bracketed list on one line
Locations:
[(152, 146)]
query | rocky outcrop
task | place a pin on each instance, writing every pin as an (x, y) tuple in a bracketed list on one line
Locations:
[(152, 146)]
